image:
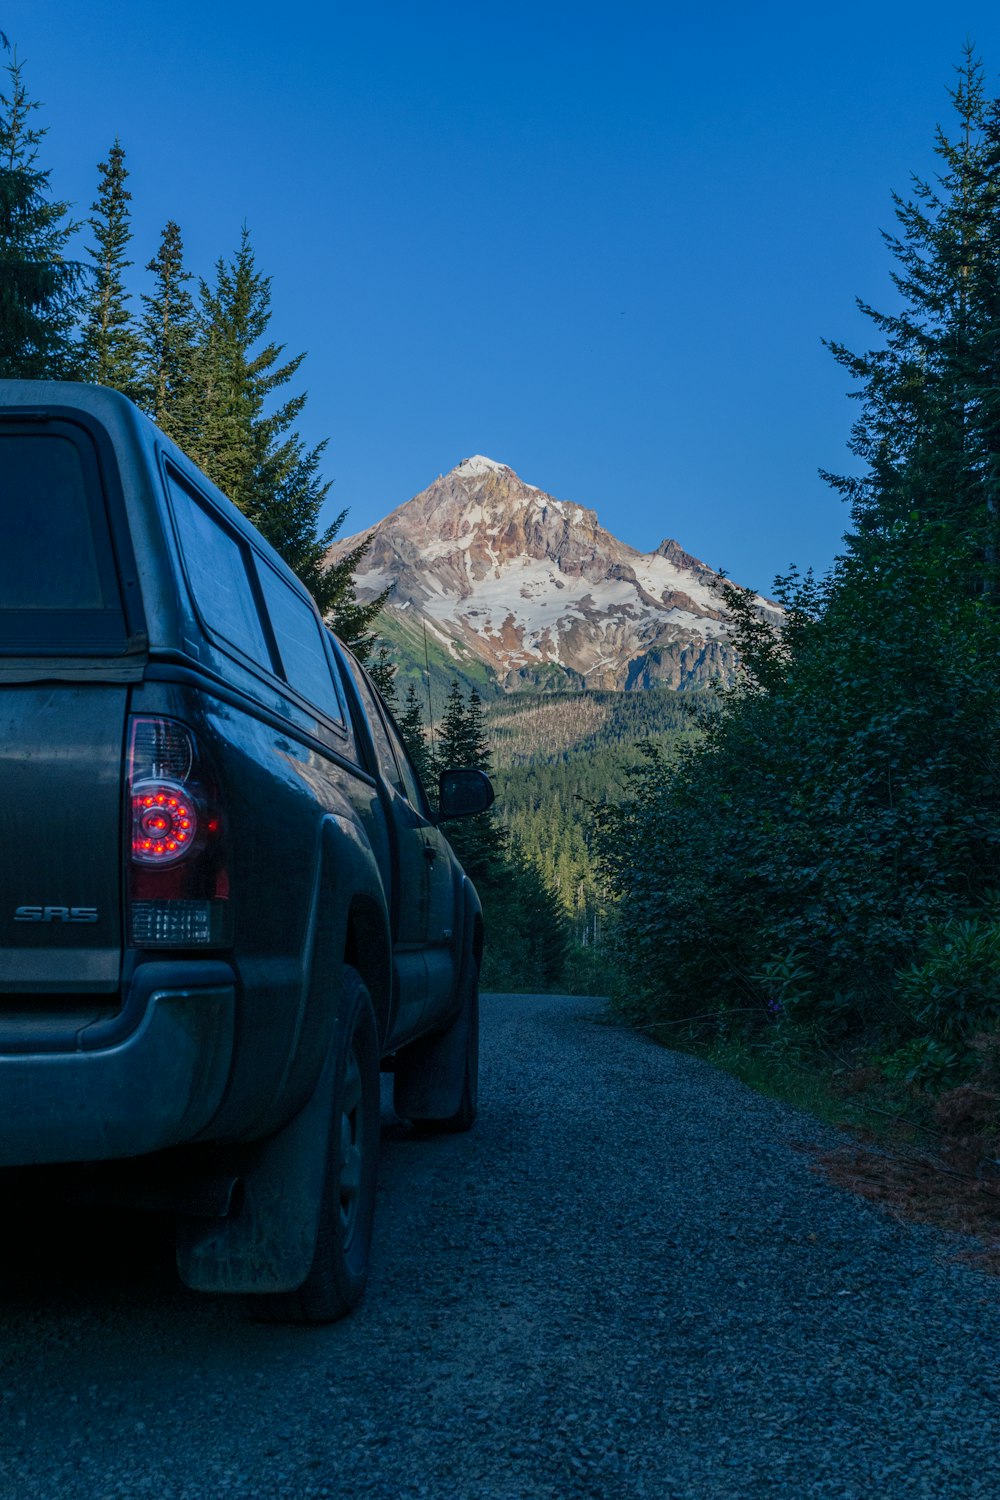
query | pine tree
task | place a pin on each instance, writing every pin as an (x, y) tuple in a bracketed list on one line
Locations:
[(453, 739), (477, 744), (381, 667), (111, 345), (40, 290), (411, 726), (929, 435), (481, 842), (249, 447), (169, 347)]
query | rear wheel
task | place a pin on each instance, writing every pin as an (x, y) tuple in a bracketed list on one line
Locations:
[(339, 1271)]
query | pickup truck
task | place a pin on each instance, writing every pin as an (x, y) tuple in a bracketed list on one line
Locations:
[(225, 901)]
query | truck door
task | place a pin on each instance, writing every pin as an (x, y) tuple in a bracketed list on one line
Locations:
[(439, 884), (410, 903)]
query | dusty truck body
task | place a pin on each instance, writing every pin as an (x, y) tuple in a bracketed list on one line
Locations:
[(224, 897)]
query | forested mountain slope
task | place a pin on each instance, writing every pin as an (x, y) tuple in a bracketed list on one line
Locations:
[(555, 756)]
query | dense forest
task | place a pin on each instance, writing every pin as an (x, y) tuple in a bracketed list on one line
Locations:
[(820, 873), (559, 757)]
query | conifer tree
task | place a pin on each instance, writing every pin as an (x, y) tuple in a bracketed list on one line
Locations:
[(381, 666), (411, 726), (521, 911), (169, 346), (480, 842), (452, 742), (477, 745), (111, 345), (929, 435), (40, 290), (249, 447)]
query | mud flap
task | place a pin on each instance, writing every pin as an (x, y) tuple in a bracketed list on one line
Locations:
[(269, 1243), (429, 1075)]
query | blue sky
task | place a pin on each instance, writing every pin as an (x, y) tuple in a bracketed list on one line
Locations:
[(601, 243)]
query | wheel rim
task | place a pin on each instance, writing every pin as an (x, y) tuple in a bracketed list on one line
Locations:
[(351, 1145)]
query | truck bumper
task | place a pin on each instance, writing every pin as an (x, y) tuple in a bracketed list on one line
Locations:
[(114, 1095)]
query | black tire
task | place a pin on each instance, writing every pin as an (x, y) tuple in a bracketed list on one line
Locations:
[(336, 1280), (464, 1117)]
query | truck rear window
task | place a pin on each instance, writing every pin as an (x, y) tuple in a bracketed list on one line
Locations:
[(58, 584)]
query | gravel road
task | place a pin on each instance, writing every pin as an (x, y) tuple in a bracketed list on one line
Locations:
[(625, 1282)]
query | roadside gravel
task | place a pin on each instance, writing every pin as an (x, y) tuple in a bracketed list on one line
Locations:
[(625, 1282)]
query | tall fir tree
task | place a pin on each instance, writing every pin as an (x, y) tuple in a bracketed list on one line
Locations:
[(411, 726), (169, 354), (452, 740), (929, 433), (249, 447), (40, 289), (111, 344), (480, 842)]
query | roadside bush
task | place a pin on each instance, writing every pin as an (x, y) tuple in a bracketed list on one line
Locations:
[(953, 990)]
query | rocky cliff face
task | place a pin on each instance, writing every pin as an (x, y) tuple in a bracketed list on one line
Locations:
[(539, 591)]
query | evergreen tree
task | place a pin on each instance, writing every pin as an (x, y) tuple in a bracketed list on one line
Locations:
[(249, 447), (453, 740), (169, 347), (929, 435), (481, 842), (381, 666), (411, 727), (111, 345), (477, 743), (40, 290)]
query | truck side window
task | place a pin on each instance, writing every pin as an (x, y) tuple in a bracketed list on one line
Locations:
[(217, 572), (414, 791), (389, 747), (300, 643), (383, 749)]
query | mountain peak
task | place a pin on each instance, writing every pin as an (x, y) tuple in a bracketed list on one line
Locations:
[(480, 464), (502, 575)]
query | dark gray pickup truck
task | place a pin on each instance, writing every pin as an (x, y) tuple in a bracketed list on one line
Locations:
[(224, 899)]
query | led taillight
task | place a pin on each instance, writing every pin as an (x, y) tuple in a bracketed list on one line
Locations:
[(164, 823), (178, 881)]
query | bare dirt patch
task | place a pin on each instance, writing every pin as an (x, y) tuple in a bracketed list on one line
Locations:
[(922, 1187)]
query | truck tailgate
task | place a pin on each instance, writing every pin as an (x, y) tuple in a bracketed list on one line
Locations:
[(61, 748)]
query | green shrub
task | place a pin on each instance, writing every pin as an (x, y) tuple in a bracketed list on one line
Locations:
[(953, 990)]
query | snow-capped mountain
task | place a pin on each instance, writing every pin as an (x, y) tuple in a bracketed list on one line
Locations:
[(538, 591)]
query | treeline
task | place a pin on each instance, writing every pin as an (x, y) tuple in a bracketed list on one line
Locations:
[(823, 867), (195, 353)]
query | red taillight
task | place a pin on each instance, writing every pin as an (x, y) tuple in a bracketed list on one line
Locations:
[(164, 823), (178, 884)]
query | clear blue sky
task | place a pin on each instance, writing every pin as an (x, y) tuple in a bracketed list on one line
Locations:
[(600, 242)]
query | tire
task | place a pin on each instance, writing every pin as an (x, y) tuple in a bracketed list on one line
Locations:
[(339, 1271), (464, 1117)]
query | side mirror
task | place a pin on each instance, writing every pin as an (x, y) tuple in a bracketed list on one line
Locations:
[(463, 793)]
